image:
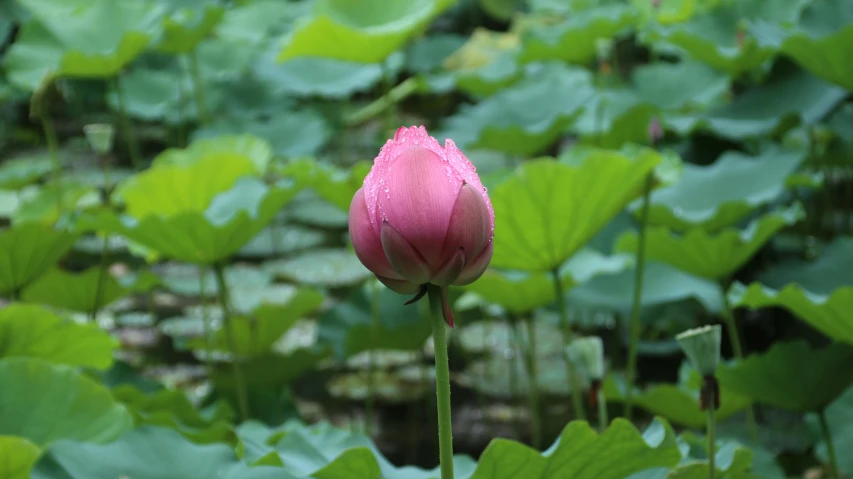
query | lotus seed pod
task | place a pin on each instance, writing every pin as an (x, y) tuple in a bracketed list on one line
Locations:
[(100, 137), (702, 347), (588, 354)]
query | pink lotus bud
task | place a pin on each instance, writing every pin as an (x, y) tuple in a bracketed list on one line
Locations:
[(655, 131), (422, 215)]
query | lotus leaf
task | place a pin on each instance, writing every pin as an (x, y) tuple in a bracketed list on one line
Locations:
[(792, 375), (543, 223), (367, 32), (711, 255)]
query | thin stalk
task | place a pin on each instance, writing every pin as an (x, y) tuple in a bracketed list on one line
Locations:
[(533, 385), (102, 272), (830, 447), (239, 382), (371, 361), (53, 150), (634, 335), (198, 87), (603, 420), (442, 383), (734, 340), (571, 372), (207, 330), (513, 375), (129, 136), (712, 444), (394, 95)]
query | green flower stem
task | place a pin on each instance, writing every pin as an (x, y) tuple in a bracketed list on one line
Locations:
[(371, 359), (533, 385), (603, 420), (129, 136), (102, 272), (712, 444), (442, 383), (639, 267), (394, 96), (734, 339), (206, 329), (198, 87), (571, 371), (53, 150), (239, 382), (830, 447)]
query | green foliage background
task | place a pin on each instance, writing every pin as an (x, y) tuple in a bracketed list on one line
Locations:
[(185, 303)]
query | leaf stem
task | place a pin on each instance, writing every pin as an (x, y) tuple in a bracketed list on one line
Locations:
[(533, 385), (442, 383), (371, 360), (102, 272), (830, 446), (603, 420), (734, 339), (206, 329), (566, 330), (198, 87), (53, 150), (637, 303), (239, 381), (129, 136), (394, 95), (712, 444)]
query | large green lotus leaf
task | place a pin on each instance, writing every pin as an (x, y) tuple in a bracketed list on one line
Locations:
[(182, 186), (185, 28), (525, 118), (715, 255), (59, 40), (162, 95), (662, 284), (839, 417), (17, 456), (348, 330), (171, 408), (335, 185), (829, 313), (255, 149), (205, 237), (680, 86), (581, 453), (615, 117), (712, 37), (281, 239), (820, 42), (364, 32), (304, 448), (33, 331), (147, 451), (27, 251), (16, 173), (713, 197), (47, 402), (254, 22), (256, 334), (321, 267), (486, 63), (521, 292), (792, 375), (44, 206), (678, 402), (318, 76), (85, 292), (574, 40), (550, 209), (829, 271), (758, 112), (667, 12), (292, 134)]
